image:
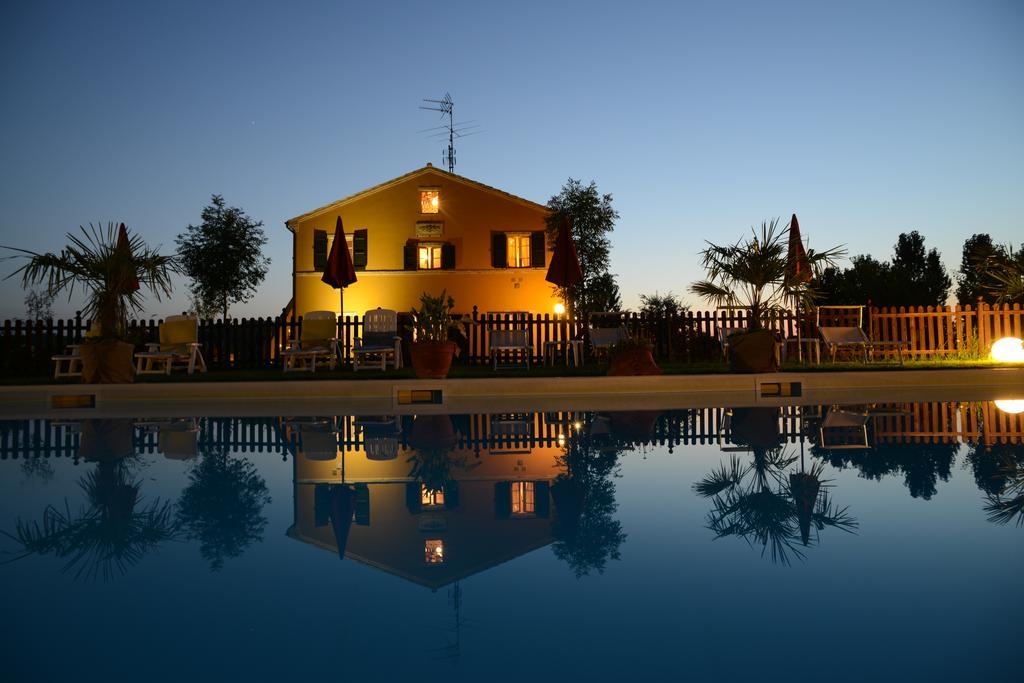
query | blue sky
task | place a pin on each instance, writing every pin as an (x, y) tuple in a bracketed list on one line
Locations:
[(701, 118)]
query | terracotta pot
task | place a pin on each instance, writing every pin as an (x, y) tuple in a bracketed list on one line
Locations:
[(108, 361), (752, 352), (636, 361), (432, 360)]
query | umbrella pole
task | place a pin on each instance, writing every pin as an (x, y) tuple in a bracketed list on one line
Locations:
[(799, 336), (341, 334)]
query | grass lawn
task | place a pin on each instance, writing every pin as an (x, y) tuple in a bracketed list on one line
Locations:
[(485, 371)]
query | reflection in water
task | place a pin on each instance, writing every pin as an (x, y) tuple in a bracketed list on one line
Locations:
[(758, 502), (222, 506), (111, 532)]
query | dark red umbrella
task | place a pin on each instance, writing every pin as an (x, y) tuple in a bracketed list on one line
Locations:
[(125, 245), (798, 271), (343, 505), (798, 268), (564, 270), (339, 272)]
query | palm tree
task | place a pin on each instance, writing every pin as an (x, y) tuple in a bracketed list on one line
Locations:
[(105, 537), (768, 509), (109, 274), (752, 273)]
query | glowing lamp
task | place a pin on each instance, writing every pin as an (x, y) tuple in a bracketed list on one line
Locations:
[(1013, 406), (435, 201), (559, 308), (561, 440), (1008, 350)]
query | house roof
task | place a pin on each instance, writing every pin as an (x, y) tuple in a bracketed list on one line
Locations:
[(428, 169)]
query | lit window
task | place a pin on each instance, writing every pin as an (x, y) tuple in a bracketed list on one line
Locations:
[(430, 201), (522, 498), (431, 498), (433, 551), (430, 256), (518, 250)]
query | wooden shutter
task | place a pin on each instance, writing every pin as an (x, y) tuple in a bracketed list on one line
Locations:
[(359, 249), (537, 249), (319, 250), (321, 504), (503, 500), (410, 257), (362, 505), (499, 250), (541, 499), (447, 256), (451, 495), (413, 496)]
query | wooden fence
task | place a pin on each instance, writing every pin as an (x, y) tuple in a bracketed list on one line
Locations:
[(256, 343)]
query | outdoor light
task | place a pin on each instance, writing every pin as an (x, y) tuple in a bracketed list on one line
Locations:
[(561, 440), (578, 426), (1008, 350), (559, 308), (1013, 406)]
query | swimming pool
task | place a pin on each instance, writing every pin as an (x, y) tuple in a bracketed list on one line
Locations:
[(846, 542)]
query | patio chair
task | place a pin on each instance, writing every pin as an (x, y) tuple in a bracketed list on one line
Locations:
[(69, 363), (844, 337), (318, 437), (602, 339), (510, 343), (379, 343), (380, 436), (317, 344), (844, 427), (178, 347)]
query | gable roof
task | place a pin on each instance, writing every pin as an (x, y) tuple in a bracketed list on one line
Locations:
[(428, 169)]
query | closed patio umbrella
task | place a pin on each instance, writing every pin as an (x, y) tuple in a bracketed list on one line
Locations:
[(343, 505), (339, 271), (124, 245), (564, 270), (798, 271)]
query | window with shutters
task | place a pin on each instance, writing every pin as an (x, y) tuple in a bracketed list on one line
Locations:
[(430, 497), (517, 249), (319, 250), (357, 245), (429, 256), (523, 498)]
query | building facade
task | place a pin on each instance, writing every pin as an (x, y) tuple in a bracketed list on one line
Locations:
[(427, 231)]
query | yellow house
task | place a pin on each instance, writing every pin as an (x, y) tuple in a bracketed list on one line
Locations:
[(427, 230)]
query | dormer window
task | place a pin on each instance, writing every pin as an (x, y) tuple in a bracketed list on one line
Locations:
[(430, 200)]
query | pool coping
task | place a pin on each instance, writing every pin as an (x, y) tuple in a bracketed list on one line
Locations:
[(664, 391)]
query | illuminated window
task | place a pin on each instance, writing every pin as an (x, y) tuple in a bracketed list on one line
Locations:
[(430, 498), (522, 498), (518, 249), (430, 256), (430, 201), (433, 551)]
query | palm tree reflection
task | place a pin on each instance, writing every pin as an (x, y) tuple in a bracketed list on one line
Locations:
[(110, 533)]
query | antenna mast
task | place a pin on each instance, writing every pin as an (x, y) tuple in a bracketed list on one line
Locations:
[(446, 106)]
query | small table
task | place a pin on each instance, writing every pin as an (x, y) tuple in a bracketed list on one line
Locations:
[(567, 346)]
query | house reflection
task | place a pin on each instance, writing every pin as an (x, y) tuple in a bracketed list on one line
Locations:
[(432, 502)]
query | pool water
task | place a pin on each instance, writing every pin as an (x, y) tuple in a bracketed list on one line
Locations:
[(867, 542)]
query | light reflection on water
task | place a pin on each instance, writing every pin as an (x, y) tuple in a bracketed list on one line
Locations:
[(451, 541)]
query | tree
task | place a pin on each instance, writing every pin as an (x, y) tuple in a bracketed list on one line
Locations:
[(592, 218), (914, 277), (975, 279), (920, 278), (223, 256), (38, 305), (661, 305)]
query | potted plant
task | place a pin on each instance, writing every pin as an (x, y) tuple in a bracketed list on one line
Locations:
[(110, 268), (632, 357), (755, 274), (433, 325)]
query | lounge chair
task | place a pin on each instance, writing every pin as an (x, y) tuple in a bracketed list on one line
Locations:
[(509, 343), (69, 363), (843, 337), (844, 427), (380, 436), (379, 343), (317, 344), (318, 437), (602, 339), (178, 347)]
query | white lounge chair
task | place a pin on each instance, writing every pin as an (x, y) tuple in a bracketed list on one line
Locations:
[(317, 343), (509, 343), (602, 339), (379, 343)]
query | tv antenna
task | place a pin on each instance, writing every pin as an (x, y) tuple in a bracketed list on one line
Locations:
[(446, 106)]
